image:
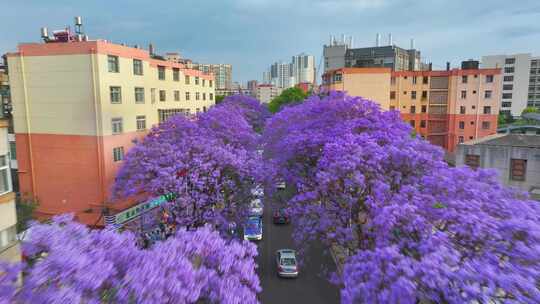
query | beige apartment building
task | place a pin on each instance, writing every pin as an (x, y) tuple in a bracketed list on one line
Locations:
[(78, 107)]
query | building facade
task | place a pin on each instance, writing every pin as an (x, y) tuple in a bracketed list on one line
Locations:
[(222, 74), (518, 80), (445, 107), (340, 54), (516, 157), (281, 75), (79, 106), (266, 92), (303, 69), (533, 99), (9, 246)]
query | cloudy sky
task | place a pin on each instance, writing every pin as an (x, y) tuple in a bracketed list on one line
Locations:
[(251, 34)]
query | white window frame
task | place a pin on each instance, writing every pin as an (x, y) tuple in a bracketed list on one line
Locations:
[(141, 122), (113, 64), (138, 63), (5, 168), (117, 121), (140, 89), (118, 154), (119, 93), (176, 95)]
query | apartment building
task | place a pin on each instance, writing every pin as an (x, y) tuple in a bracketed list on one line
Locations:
[(5, 104), (340, 54), (9, 246), (445, 107), (222, 74), (533, 99), (79, 106), (303, 68), (266, 92), (517, 73)]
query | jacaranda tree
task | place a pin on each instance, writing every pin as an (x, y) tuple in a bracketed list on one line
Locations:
[(209, 163), (68, 263), (251, 109), (415, 229)]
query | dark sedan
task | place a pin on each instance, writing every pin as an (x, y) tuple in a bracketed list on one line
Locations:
[(280, 216)]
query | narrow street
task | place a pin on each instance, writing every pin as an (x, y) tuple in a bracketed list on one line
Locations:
[(310, 287)]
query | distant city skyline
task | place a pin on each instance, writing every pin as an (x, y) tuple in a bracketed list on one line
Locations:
[(240, 33)]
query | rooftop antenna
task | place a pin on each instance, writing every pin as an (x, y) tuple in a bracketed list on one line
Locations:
[(412, 43), (390, 41), (45, 34), (378, 40)]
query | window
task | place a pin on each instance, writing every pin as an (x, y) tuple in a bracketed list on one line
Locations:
[(424, 109), (187, 95), (508, 86), (8, 237), (187, 79), (508, 78), (211, 97), (425, 80), (118, 154), (139, 95), (472, 123), (116, 94), (489, 78), (461, 139), (424, 94), (204, 82), (464, 79), (203, 96), (197, 96), (116, 124), (176, 74), (204, 108), (413, 94), (507, 95), (414, 79), (162, 95), (487, 110), (198, 110), (486, 125), (471, 137), (161, 72), (474, 92), (509, 70), (412, 122), (210, 84), (473, 107), (463, 94), (137, 67), (518, 168), (13, 150), (422, 123), (487, 94), (392, 108), (165, 114), (141, 122), (337, 77), (462, 110), (462, 125), (404, 92), (114, 66), (413, 109), (153, 94), (5, 175), (472, 161), (510, 61), (392, 95), (176, 95), (196, 80), (475, 76)]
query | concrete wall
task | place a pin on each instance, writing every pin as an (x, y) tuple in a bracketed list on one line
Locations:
[(372, 85), (498, 157)]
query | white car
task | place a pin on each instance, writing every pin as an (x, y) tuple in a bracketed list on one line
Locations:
[(280, 185), (256, 207), (258, 191)]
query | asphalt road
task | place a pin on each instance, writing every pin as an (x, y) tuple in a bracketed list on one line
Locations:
[(310, 287)]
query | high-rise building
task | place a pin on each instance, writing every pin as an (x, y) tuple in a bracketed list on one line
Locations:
[(78, 107), (519, 83), (445, 107), (266, 79), (303, 68), (222, 74), (281, 75), (252, 87), (339, 54)]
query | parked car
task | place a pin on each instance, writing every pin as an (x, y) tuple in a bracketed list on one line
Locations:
[(258, 191), (280, 185), (253, 229), (280, 216), (286, 263), (256, 207)]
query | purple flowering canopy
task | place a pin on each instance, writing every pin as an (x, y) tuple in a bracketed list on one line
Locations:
[(210, 163), (414, 228), (73, 264)]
